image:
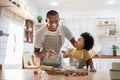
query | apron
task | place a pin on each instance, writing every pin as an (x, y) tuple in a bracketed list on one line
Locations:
[(78, 63), (55, 43)]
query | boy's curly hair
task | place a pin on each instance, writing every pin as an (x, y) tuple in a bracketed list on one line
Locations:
[(88, 40)]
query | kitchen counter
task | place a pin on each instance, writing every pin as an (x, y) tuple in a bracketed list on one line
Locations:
[(108, 57), (27, 74)]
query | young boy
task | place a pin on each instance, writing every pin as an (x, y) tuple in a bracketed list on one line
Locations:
[(84, 43)]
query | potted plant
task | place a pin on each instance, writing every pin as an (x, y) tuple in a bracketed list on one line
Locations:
[(114, 47), (39, 18)]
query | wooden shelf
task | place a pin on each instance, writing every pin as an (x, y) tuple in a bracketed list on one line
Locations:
[(106, 36), (39, 24), (106, 25), (28, 34), (16, 10), (107, 18)]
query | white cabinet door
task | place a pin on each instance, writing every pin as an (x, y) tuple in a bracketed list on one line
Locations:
[(104, 64), (14, 46)]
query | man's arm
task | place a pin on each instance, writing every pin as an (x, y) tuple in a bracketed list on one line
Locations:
[(38, 53), (68, 34), (73, 41)]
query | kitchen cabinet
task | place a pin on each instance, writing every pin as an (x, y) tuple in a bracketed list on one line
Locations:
[(15, 9), (105, 62)]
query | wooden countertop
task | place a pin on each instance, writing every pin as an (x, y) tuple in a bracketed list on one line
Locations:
[(27, 74), (107, 57)]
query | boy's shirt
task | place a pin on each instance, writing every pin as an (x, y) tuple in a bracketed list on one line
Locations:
[(78, 54)]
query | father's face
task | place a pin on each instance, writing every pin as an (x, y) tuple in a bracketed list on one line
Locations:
[(53, 22)]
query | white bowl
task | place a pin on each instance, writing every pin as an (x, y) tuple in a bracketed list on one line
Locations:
[(70, 68), (116, 65), (115, 74)]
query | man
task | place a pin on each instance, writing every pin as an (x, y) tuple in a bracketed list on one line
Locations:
[(50, 38)]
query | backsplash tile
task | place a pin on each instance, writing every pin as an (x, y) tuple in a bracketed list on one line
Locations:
[(84, 20)]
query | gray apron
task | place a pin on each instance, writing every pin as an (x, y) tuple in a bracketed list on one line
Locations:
[(55, 43), (78, 63)]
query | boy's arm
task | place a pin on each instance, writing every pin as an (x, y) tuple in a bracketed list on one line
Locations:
[(67, 53), (90, 62), (87, 65)]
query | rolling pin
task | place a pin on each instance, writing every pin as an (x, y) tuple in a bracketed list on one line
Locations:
[(50, 68)]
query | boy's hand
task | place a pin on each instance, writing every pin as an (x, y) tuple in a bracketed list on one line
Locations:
[(92, 70), (64, 54), (63, 51)]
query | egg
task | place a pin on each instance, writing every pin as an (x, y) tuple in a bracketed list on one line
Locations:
[(66, 73), (86, 73), (79, 74), (74, 74), (83, 73), (35, 72)]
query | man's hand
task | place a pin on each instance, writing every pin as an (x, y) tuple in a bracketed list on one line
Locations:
[(51, 53), (38, 53)]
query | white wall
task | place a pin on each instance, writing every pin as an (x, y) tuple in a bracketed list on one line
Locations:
[(84, 20), (34, 12), (12, 47)]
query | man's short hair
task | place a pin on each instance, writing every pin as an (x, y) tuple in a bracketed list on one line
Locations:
[(52, 13)]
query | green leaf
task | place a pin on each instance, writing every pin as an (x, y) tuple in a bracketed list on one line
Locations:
[(39, 18)]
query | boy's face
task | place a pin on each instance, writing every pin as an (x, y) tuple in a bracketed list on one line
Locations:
[(79, 44)]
